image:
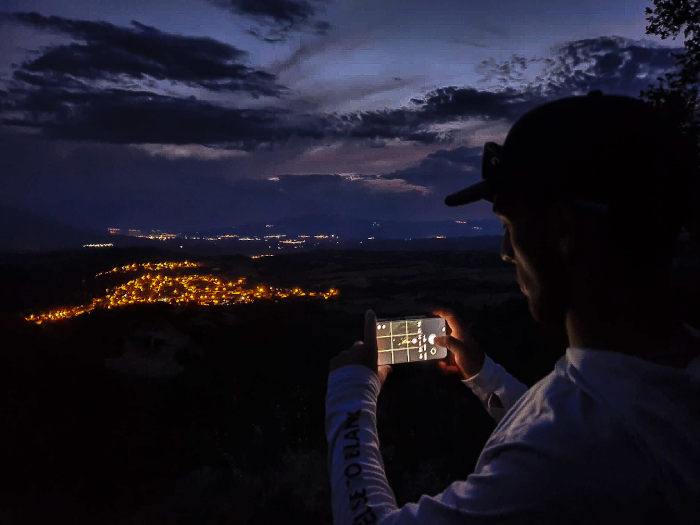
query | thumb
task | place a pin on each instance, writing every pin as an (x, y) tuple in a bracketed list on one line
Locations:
[(453, 345), (371, 336), (382, 372)]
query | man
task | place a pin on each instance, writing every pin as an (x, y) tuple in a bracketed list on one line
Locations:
[(592, 192)]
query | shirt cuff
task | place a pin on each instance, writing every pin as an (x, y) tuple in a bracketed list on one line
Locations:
[(353, 377), (486, 380)]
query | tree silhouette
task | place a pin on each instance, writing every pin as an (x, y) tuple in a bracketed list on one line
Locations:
[(677, 91)]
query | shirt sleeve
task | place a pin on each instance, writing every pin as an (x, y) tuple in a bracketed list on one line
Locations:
[(360, 491), (496, 388), (542, 464)]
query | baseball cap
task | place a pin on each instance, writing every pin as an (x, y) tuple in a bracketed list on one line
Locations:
[(610, 149)]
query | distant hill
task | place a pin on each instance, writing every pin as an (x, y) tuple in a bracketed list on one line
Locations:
[(351, 228), (27, 231)]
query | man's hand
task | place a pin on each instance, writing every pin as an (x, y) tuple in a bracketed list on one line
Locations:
[(363, 353), (465, 358)]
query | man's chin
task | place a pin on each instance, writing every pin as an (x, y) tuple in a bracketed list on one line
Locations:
[(544, 313)]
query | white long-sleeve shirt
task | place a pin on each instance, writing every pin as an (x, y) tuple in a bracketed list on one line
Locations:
[(604, 437)]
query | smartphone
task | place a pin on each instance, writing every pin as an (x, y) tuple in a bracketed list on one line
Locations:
[(409, 339)]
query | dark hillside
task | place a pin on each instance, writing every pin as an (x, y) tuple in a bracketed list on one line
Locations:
[(164, 414)]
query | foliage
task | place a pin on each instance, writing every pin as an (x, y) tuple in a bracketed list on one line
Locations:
[(677, 91)]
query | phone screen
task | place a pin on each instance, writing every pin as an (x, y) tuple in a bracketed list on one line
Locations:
[(409, 339)]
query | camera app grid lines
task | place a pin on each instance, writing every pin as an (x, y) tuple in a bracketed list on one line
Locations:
[(409, 340)]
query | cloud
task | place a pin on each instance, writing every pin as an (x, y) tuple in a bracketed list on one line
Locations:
[(61, 98), (609, 63), (122, 55), (123, 116), (443, 171), (426, 121), (126, 116), (106, 185), (189, 151), (452, 102), (379, 184), (278, 17)]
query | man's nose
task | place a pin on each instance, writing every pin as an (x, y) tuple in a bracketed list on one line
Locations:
[(507, 249)]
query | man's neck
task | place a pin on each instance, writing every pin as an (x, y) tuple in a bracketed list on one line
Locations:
[(637, 320), (643, 338)]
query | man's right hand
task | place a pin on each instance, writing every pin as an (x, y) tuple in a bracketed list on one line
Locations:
[(465, 358)]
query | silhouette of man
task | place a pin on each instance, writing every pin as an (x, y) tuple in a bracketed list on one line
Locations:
[(592, 192)]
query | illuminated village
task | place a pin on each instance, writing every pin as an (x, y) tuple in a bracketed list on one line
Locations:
[(157, 287), (154, 267)]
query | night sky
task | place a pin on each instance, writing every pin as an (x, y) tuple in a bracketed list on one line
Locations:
[(191, 114)]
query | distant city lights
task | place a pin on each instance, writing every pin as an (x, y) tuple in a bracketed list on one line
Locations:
[(99, 245), (271, 237), (197, 289), (271, 240)]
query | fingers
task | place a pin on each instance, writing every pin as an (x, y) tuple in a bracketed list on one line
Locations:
[(441, 340), (453, 345), (454, 324), (446, 313), (358, 351), (382, 372), (371, 330), (449, 369), (355, 355)]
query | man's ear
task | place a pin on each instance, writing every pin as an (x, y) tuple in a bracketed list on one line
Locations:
[(563, 225), (584, 228)]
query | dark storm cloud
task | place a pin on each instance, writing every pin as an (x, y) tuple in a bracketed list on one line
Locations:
[(140, 52), (436, 107), (453, 102), (443, 171), (611, 64), (63, 102), (127, 116), (279, 17), (122, 116), (462, 155), (112, 185)]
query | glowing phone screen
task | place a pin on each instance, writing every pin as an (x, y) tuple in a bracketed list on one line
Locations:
[(409, 340)]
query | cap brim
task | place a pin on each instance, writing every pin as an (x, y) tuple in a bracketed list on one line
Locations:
[(473, 193)]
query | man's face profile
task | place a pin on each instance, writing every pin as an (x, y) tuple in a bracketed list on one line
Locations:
[(529, 244)]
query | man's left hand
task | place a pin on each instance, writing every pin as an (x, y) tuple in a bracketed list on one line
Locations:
[(363, 352)]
